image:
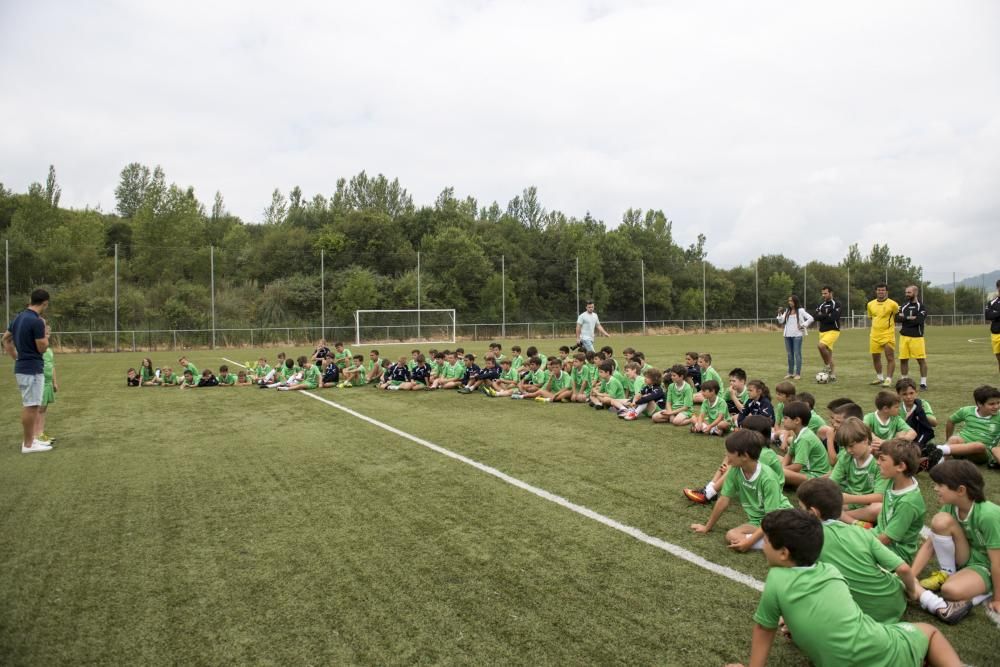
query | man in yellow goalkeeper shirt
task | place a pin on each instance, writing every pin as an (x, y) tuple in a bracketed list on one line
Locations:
[(882, 311)]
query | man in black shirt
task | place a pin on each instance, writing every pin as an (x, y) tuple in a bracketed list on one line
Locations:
[(912, 315), (828, 317), (993, 317)]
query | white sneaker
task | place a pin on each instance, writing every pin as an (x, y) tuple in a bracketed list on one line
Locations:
[(282, 388), (35, 447)]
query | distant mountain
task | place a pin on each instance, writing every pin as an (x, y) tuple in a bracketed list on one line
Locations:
[(975, 282)]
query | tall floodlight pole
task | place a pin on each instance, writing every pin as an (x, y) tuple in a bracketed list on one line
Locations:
[(756, 296), (503, 296), (578, 283), (322, 294), (6, 277), (849, 313), (704, 299), (954, 300), (418, 294), (642, 276), (805, 283), (116, 297), (211, 264)]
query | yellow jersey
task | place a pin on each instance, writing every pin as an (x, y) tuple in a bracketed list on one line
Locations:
[(883, 316)]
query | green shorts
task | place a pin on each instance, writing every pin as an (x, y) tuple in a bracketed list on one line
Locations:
[(48, 394), (908, 645), (396, 383), (983, 572)]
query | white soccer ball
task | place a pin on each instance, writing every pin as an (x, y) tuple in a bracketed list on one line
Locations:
[(822, 377)]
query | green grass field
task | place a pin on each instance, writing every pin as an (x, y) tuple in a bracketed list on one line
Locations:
[(230, 526)]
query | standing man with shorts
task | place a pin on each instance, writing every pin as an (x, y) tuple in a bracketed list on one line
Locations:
[(882, 310), (26, 342), (993, 317), (828, 316), (912, 315), (585, 326)]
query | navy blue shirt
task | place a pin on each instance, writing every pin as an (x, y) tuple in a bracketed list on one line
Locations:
[(26, 328)]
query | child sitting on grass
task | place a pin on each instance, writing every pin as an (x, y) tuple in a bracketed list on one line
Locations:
[(307, 378), (707, 373), (813, 601), (806, 457), (608, 389), (867, 564), (768, 458), (979, 438), (758, 403), (965, 539), (648, 400), (711, 418), (558, 386), (396, 375), (132, 378), (885, 422), (679, 400), (754, 484), (856, 471)]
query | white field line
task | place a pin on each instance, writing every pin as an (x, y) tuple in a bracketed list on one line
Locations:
[(679, 552), (978, 340)]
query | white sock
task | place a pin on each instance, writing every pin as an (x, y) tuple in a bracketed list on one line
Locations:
[(945, 449), (944, 549), (923, 380), (931, 601), (880, 376), (710, 491), (981, 598)]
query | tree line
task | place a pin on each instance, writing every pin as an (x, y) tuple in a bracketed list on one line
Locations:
[(368, 235)]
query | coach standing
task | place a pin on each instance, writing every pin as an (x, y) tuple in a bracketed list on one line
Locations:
[(26, 342), (882, 312), (586, 326), (993, 317), (828, 316), (912, 315)]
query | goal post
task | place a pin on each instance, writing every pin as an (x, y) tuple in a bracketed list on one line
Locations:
[(435, 325)]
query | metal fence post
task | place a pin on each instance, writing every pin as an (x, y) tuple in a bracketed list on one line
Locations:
[(503, 296), (211, 256), (322, 297), (116, 298)]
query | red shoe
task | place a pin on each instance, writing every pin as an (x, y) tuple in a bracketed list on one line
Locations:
[(696, 496)]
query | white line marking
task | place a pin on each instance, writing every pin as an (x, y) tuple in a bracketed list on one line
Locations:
[(679, 552), (977, 340)]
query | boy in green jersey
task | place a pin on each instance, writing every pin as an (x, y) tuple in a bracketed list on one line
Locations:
[(168, 378), (867, 564), (711, 418), (261, 371), (784, 392), (534, 380), (580, 376), (856, 470), (341, 355), (707, 373), (226, 379), (679, 399), (896, 507), (532, 352), (840, 409), (885, 422), (49, 389), (506, 384), (558, 385), (516, 360), (354, 374), (243, 379), (767, 458), (965, 539), (816, 423), (806, 457), (373, 368), (412, 363), (753, 483), (979, 438), (189, 381), (309, 377), (497, 351), (608, 389), (185, 364), (822, 618)]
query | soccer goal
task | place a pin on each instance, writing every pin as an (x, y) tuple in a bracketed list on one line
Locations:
[(404, 326)]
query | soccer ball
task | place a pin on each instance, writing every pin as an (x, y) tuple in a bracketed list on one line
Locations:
[(822, 377)]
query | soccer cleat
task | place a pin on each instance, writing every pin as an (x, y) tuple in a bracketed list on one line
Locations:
[(887, 382), (875, 382), (990, 614), (516, 397), (283, 389), (41, 437), (540, 399), (954, 611), (935, 581), (696, 496), (864, 524), (464, 390), (931, 457), (631, 415), (832, 378), (923, 387)]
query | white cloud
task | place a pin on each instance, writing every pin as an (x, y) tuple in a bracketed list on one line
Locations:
[(769, 127)]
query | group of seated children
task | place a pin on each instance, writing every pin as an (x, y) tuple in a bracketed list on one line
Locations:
[(861, 485), (190, 377)]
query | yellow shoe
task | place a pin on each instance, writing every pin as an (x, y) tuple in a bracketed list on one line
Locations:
[(887, 382), (935, 581), (41, 437)]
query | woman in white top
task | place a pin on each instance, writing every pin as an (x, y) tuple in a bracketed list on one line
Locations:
[(796, 320)]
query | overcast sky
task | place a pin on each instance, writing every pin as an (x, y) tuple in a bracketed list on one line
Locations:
[(768, 126)]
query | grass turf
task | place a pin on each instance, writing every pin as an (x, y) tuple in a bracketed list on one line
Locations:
[(247, 526)]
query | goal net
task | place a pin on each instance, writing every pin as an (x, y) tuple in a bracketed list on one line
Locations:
[(404, 326)]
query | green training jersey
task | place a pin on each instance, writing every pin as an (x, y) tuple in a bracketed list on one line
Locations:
[(194, 370), (680, 397), (411, 364), (169, 380), (637, 384), (262, 371), (886, 430), (810, 452), (312, 376), (581, 379), (773, 461), (982, 528), (342, 359), (975, 427), (779, 413), (510, 374), (286, 372), (145, 374), (711, 374), (867, 566), (712, 411), (48, 364), (816, 422), (613, 388), (626, 383), (759, 494), (193, 382), (540, 377), (557, 384), (828, 625), (902, 517), (517, 362), (229, 379), (853, 478), (372, 364)]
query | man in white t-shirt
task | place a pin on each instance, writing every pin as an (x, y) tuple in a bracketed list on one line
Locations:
[(585, 326)]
